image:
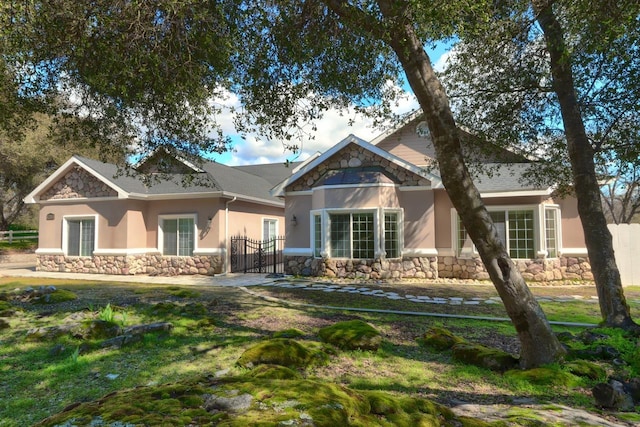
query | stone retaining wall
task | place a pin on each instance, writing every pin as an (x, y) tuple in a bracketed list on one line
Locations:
[(539, 270), (132, 264)]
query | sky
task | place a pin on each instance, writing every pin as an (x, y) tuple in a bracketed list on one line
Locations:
[(331, 129)]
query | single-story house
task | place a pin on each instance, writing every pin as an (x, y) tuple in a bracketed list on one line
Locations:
[(379, 210), (175, 218), (359, 210)]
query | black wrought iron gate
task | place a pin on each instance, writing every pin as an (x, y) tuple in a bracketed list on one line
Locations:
[(257, 256)]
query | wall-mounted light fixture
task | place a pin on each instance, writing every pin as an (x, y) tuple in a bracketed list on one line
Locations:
[(294, 221), (209, 222)]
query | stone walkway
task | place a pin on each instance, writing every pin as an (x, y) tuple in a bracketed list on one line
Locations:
[(424, 299)]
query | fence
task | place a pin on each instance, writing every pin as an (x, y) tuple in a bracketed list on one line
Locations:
[(255, 256), (18, 235), (626, 243)]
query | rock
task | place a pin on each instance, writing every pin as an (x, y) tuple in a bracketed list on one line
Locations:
[(148, 328), (101, 329), (485, 357), (352, 335), (280, 351), (213, 403), (633, 388), (57, 350), (440, 338), (612, 395)]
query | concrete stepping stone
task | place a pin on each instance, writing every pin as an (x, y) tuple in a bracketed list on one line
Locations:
[(471, 302)]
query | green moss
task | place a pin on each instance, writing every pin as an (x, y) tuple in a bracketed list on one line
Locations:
[(275, 402), (183, 293), (289, 333), (275, 372), (57, 296), (351, 335), (545, 376), (585, 368), (283, 352), (484, 357), (440, 339)]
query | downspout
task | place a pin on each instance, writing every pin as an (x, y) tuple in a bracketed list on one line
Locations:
[(227, 252)]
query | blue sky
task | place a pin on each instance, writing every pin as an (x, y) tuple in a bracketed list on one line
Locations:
[(331, 129)]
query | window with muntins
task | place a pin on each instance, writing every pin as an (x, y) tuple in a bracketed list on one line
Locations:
[(80, 237), (551, 231), (178, 236), (516, 230), (391, 235), (352, 235), (317, 236)]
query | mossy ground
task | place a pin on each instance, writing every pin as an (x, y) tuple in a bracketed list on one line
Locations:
[(210, 334), (275, 401)]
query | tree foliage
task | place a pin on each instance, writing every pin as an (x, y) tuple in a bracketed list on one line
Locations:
[(154, 69), (500, 82)]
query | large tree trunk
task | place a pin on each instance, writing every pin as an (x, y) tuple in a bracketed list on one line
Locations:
[(613, 305), (539, 343)]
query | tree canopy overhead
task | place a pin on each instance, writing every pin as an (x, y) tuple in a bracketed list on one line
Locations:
[(153, 70)]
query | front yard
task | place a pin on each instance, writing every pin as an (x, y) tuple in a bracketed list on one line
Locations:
[(52, 358)]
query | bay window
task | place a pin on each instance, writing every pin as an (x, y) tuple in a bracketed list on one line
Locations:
[(356, 234)]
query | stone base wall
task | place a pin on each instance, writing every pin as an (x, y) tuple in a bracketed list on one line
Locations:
[(132, 264), (534, 270), (537, 270), (418, 268)]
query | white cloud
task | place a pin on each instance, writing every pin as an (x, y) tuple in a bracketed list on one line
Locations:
[(330, 129)]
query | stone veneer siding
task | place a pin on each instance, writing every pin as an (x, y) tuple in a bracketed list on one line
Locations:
[(539, 270), (418, 268), (78, 183), (132, 264)]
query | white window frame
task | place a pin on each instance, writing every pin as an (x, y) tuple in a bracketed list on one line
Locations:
[(65, 232), (538, 230), (275, 223), (163, 217), (378, 227), (558, 231)]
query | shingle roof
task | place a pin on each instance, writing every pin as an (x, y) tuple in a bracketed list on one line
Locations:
[(506, 177), (254, 182)]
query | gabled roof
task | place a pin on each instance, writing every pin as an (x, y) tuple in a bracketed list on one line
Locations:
[(279, 190), (211, 180)]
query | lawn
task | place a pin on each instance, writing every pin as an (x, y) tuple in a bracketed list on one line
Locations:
[(212, 326)]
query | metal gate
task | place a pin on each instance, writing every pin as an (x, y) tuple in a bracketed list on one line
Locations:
[(257, 256)]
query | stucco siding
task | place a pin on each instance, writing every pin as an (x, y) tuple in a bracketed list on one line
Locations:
[(419, 221), (572, 232), (298, 236), (442, 218), (408, 145)]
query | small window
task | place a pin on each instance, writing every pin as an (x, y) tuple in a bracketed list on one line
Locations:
[(317, 236), (269, 229), (80, 237), (551, 232), (178, 236), (391, 235)]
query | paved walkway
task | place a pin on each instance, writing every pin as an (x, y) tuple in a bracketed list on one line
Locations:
[(234, 280)]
